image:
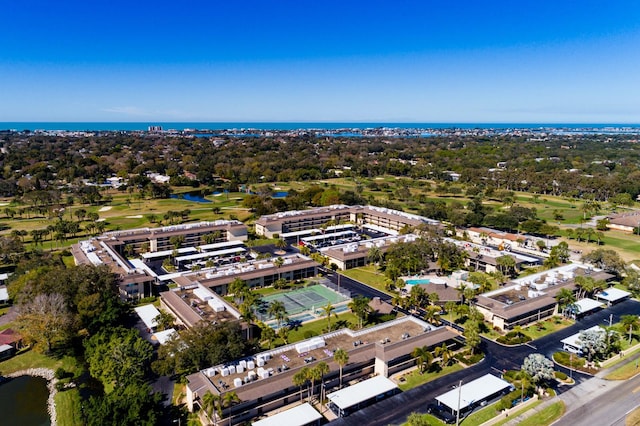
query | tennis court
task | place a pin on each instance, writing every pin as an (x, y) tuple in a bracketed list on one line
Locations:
[(301, 300)]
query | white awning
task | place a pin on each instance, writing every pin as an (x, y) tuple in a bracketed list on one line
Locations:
[(164, 336), (361, 392), (613, 294), (147, 314), (297, 416), (477, 390), (586, 305)]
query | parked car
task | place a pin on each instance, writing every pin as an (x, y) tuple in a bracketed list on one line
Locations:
[(441, 413)]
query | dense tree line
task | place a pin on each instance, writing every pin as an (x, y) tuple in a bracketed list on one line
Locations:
[(577, 166)]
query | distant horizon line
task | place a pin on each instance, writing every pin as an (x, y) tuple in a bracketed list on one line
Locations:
[(328, 121)]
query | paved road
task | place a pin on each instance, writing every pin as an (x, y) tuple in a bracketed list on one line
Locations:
[(396, 409), (601, 402)]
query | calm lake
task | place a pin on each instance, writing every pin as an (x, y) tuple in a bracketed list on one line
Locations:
[(23, 402)]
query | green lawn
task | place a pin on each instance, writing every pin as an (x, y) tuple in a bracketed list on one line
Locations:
[(319, 326), (32, 359), (414, 378), (519, 412), (625, 372), (547, 327), (369, 275), (68, 406), (546, 416)]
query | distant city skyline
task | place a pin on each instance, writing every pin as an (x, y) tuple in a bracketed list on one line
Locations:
[(330, 61)]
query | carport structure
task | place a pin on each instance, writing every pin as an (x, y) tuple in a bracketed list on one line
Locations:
[(302, 415), (583, 307), (612, 295), (352, 398), (473, 393)]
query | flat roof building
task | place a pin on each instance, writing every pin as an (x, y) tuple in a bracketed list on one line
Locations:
[(264, 382), (532, 298), (136, 278), (300, 220)]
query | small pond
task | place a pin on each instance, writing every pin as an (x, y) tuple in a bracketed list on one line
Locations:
[(23, 402)]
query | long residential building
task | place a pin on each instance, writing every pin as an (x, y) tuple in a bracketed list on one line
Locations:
[(377, 218), (264, 381), (136, 281)]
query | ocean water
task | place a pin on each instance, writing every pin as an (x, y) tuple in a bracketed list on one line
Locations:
[(132, 126)]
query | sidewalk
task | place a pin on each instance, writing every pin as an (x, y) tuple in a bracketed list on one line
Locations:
[(579, 395)]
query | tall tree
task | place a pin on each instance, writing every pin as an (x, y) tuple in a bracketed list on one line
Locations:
[(328, 311), (629, 323), (341, 357), (118, 356), (360, 307), (45, 321), (423, 356)]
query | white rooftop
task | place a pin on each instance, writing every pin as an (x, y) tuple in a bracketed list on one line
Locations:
[(164, 336), (296, 416), (612, 294), (348, 397), (586, 305), (476, 390), (167, 253), (573, 339), (209, 254), (222, 244), (4, 294), (147, 314)]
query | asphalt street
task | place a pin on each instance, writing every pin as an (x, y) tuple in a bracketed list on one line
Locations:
[(601, 402), (497, 358)]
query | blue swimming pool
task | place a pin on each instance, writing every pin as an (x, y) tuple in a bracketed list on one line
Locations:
[(418, 281)]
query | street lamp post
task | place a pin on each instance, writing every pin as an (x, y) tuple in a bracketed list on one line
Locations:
[(571, 365), (458, 410)]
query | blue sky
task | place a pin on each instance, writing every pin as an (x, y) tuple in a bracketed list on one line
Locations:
[(386, 61)]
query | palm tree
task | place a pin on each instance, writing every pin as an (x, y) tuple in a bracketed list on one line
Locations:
[(238, 288), (341, 357), (328, 311), (278, 263), (321, 369), (313, 375), (629, 322), (281, 244), (432, 314), (565, 297), (210, 406), (424, 358), (283, 333), (375, 255), (248, 315), (267, 333), (450, 306), (228, 400), (300, 378), (360, 307), (445, 354), (278, 311)]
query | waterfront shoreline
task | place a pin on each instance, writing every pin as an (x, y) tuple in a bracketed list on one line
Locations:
[(49, 376)]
